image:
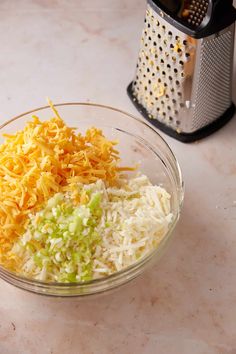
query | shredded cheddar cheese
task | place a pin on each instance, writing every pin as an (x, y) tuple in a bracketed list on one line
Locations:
[(45, 158)]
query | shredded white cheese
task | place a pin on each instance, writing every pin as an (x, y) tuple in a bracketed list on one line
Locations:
[(137, 216)]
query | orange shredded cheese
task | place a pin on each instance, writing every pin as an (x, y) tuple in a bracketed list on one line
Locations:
[(44, 158)]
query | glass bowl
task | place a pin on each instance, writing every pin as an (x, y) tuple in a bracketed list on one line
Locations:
[(138, 142)]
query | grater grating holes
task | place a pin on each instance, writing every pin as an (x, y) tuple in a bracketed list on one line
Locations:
[(213, 95), (162, 80), (194, 11)]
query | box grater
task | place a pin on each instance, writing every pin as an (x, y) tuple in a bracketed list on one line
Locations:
[(183, 79)]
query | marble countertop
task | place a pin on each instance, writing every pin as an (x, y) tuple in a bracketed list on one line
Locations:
[(87, 51)]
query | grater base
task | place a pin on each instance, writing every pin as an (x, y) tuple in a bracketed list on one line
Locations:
[(184, 137)]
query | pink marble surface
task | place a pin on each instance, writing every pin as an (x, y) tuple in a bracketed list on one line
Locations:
[(86, 51)]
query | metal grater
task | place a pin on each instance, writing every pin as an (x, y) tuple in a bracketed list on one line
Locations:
[(184, 73)]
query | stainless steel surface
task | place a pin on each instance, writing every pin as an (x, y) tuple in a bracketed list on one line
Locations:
[(165, 69), (213, 78), (183, 82)]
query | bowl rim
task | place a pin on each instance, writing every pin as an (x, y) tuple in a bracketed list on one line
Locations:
[(133, 266)]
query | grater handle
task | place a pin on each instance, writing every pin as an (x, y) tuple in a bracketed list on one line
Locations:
[(220, 14), (173, 6), (219, 7)]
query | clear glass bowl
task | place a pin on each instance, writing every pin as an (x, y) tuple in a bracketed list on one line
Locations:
[(138, 142)]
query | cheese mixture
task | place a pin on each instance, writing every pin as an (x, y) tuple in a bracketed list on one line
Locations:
[(67, 213)]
